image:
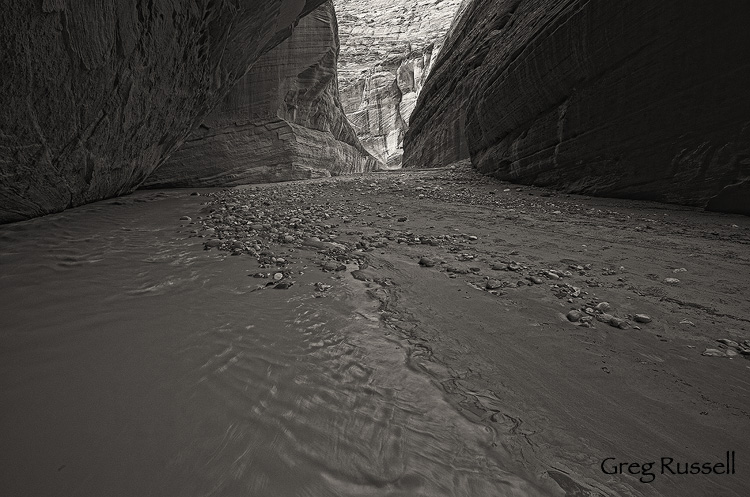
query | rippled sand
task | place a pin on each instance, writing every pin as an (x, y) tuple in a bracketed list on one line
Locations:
[(133, 362)]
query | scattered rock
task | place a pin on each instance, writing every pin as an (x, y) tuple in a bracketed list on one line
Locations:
[(321, 287), (333, 266), (603, 307), (604, 317), (574, 316), (315, 242), (671, 281), (642, 318), (612, 320), (618, 323), (736, 347), (493, 284), (426, 262), (457, 270), (713, 353), (360, 275)]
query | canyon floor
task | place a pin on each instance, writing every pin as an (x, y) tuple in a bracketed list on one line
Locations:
[(402, 333), (476, 279)]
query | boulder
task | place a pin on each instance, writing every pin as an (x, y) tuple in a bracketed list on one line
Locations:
[(637, 99), (282, 121), (95, 95)]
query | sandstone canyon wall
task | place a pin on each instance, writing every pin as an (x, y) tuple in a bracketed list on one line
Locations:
[(95, 95), (387, 48), (634, 99), (282, 121)]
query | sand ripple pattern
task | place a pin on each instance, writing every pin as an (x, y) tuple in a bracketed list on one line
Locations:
[(330, 403)]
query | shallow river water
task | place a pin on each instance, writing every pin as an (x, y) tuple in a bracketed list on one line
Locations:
[(133, 363)]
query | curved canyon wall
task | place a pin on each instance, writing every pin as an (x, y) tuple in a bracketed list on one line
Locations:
[(632, 99), (95, 95), (282, 121), (387, 49)]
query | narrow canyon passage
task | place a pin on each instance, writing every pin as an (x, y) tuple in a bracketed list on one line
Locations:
[(136, 363), (311, 248), (402, 333)]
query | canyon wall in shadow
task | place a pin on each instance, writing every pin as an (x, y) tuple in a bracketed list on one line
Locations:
[(95, 95), (634, 99), (282, 121)]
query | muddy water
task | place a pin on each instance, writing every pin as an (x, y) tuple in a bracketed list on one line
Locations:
[(134, 363)]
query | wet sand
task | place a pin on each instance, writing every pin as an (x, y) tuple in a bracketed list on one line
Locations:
[(400, 333), (476, 279), (134, 362)]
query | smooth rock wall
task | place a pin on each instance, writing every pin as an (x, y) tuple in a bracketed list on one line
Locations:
[(96, 94), (282, 121), (633, 99), (387, 48)]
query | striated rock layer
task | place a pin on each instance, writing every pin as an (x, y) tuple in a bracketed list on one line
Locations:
[(282, 121), (633, 99), (96, 94), (387, 49)]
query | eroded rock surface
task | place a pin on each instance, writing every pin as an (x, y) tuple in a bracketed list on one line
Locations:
[(641, 99), (282, 121), (95, 95), (387, 49)]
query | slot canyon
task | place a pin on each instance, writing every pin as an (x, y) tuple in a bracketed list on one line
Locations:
[(374, 248)]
